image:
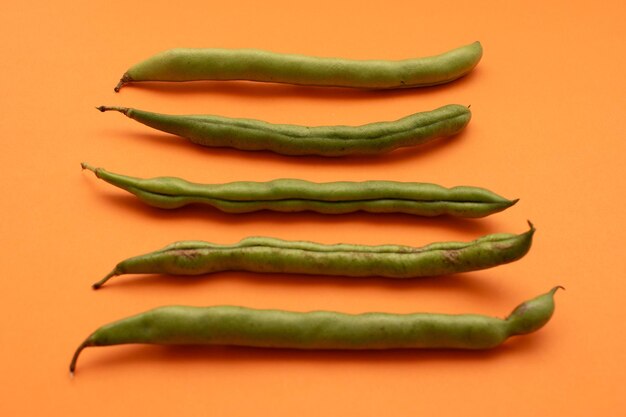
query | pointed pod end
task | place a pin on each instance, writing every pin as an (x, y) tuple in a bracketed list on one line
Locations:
[(555, 289), (510, 203), (478, 47), (533, 314), (501, 205)]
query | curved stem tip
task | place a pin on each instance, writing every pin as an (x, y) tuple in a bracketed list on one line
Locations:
[(80, 348), (108, 276), (85, 165), (123, 81), (113, 108)]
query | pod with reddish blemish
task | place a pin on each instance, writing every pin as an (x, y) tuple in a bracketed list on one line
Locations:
[(293, 195), (286, 139), (271, 255), (198, 64), (239, 326)]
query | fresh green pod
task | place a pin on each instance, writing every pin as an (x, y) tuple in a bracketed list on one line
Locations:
[(284, 139), (187, 64), (271, 255), (239, 326), (292, 195)]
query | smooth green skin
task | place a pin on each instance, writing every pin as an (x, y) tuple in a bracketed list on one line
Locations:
[(293, 140), (184, 64), (270, 255), (239, 326), (292, 195)]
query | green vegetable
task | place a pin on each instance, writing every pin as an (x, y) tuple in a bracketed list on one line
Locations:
[(239, 326), (256, 135), (270, 255), (255, 65), (291, 195)]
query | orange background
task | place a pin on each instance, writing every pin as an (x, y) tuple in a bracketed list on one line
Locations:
[(548, 102)]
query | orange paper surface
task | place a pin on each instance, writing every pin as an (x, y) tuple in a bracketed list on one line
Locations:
[(548, 127)]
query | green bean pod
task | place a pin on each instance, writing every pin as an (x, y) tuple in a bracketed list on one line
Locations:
[(271, 255), (239, 326), (292, 195), (285, 139), (188, 64)]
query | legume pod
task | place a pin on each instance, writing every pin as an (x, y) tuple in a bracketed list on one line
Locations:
[(240, 326), (186, 64), (292, 195), (284, 139), (271, 255)]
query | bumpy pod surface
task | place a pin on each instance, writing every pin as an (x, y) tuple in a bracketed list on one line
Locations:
[(240, 326), (293, 195), (189, 64), (285, 139), (271, 255)]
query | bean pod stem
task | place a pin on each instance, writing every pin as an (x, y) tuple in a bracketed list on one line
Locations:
[(271, 255), (293, 195), (188, 64), (320, 330), (293, 140)]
